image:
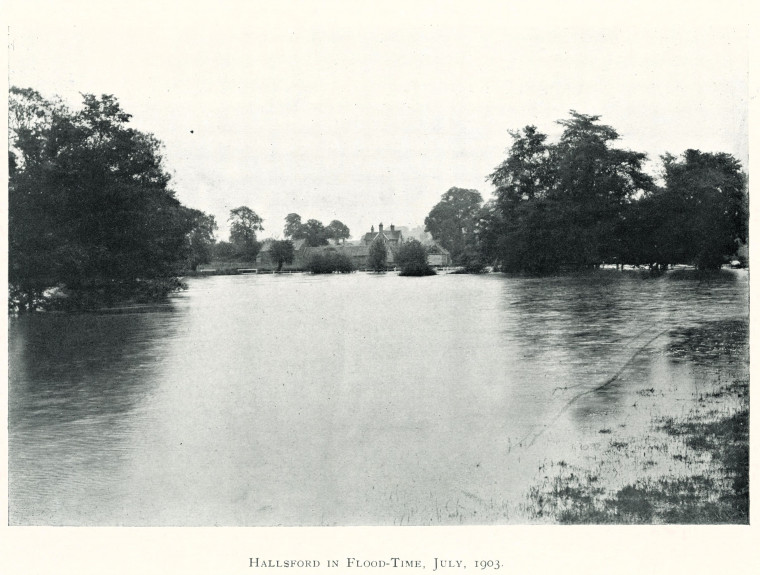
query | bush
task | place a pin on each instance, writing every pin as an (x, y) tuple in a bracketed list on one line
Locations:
[(412, 259), (378, 254), (330, 262)]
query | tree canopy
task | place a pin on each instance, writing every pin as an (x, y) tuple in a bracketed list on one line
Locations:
[(293, 227), (564, 204), (338, 231), (454, 220), (89, 200), (200, 238), (282, 252), (244, 225), (412, 259), (378, 255), (315, 233)]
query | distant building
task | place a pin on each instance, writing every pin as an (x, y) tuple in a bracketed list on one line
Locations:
[(393, 237), (359, 253), (264, 258), (438, 256)]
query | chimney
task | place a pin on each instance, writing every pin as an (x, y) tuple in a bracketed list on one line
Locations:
[(393, 228), (372, 231), (380, 227)]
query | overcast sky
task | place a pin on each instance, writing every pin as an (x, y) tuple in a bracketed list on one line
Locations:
[(368, 112)]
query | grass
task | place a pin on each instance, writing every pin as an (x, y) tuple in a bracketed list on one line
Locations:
[(712, 445)]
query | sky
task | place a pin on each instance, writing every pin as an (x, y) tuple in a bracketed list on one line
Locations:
[(367, 112)]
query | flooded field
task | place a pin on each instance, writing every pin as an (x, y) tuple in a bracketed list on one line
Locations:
[(363, 399)]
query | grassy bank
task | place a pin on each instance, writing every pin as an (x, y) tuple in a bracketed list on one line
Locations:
[(701, 464)]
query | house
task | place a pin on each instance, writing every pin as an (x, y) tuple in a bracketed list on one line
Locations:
[(359, 254), (264, 258), (438, 256), (393, 237)]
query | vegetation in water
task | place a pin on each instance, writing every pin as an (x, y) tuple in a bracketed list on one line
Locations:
[(330, 262), (689, 469), (583, 201), (378, 255), (412, 259), (91, 210)]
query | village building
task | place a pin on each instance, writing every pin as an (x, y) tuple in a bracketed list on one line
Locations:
[(358, 253), (438, 256), (393, 237), (300, 256)]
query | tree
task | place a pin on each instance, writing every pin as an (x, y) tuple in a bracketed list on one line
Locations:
[(703, 207), (282, 252), (378, 255), (222, 250), (293, 227), (90, 208), (338, 231), (245, 224), (564, 204), (200, 238), (412, 258), (315, 233), (594, 184), (453, 221)]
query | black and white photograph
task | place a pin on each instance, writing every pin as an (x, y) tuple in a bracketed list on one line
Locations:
[(361, 264)]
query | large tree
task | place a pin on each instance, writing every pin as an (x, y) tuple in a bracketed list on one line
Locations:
[(703, 209), (338, 231), (315, 233), (294, 227), (244, 225), (453, 222), (90, 206), (564, 204)]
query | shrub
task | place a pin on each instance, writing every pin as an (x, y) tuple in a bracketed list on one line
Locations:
[(412, 259), (330, 262)]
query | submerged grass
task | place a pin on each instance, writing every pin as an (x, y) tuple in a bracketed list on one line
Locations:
[(709, 484)]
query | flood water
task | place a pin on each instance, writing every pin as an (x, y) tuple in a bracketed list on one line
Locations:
[(342, 400)]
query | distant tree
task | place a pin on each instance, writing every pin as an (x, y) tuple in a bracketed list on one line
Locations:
[(244, 225), (200, 238), (378, 255), (293, 227), (338, 231), (453, 221), (315, 233), (223, 251), (412, 259), (282, 252)]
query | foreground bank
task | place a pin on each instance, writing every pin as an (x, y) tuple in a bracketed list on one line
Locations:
[(690, 467)]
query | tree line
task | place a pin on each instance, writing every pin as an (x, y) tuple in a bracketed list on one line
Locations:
[(582, 202), (93, 218), (92, 215)]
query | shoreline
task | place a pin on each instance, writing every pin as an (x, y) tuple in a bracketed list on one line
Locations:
[(688, 468)]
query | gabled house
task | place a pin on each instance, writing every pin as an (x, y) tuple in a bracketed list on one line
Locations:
[(393, 237), (264, 258), (438, 256)]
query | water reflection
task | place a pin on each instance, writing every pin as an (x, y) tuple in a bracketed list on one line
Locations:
[(75, 385), (361, 399)]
